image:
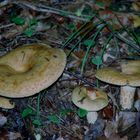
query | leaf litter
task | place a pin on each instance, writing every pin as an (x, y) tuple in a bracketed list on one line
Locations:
[(93, 34)]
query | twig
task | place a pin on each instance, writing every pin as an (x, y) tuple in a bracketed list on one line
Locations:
[(6, 26), (44, 8), (120, 37), (16, 30), (132, 44), (80, 78), (4, 3)]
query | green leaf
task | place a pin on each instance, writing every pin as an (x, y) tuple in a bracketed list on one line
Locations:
[(26, 112), (29, 32), (33, 22), (97, 60), (79, 12), (81, 112), (37, 122), (65, 112), (71, 26), (18, 20), (54, 119), (89, 42)]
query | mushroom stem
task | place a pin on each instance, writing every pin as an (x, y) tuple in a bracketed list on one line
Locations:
[(92, 117), (127, 97)]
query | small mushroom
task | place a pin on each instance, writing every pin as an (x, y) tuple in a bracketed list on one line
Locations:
[(29, 69), (89, 99), (128, 78), (6, 103)]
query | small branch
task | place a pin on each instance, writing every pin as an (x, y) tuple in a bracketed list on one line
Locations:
[(80, 78), (16, 30), (6, 26), (44, 8), (4, 3), (133, 45)]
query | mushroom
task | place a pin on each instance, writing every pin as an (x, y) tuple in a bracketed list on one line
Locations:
[(89, 99), (29, 69), (6, 103), (128, 78)]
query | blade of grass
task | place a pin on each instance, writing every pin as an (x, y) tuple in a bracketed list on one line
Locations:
[(117, 35), (79, 41), (86, 33), (94, 36), (106, 43), (137, 40), (75, 34), (83, 79), (130, 43), (130, 33)]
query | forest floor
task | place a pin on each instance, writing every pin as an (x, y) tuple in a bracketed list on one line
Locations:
[(93, 34)]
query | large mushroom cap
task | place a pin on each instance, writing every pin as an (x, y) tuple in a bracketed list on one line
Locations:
[(5, 103), (130, 67), (89, 99), (115, 77), (29, 69), (111, 76)]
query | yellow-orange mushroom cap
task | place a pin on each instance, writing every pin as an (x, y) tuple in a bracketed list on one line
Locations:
[(115, 77), (29, 69), (89, 99)]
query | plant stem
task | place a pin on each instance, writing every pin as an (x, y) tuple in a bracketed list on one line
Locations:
[(38, 107)]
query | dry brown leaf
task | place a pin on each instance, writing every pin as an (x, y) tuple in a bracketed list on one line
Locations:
[(136, 6), (136, 20), (108, 112), (6, 135)]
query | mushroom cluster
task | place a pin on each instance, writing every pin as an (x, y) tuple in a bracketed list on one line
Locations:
[(6, 103), (89, 99), (29, 69), (128, 78)]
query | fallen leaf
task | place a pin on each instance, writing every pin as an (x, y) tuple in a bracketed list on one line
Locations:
[(136, 6), (136, 20), (3, 120), (125, 120), (108, 112), (110, 129), (14, 136)]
